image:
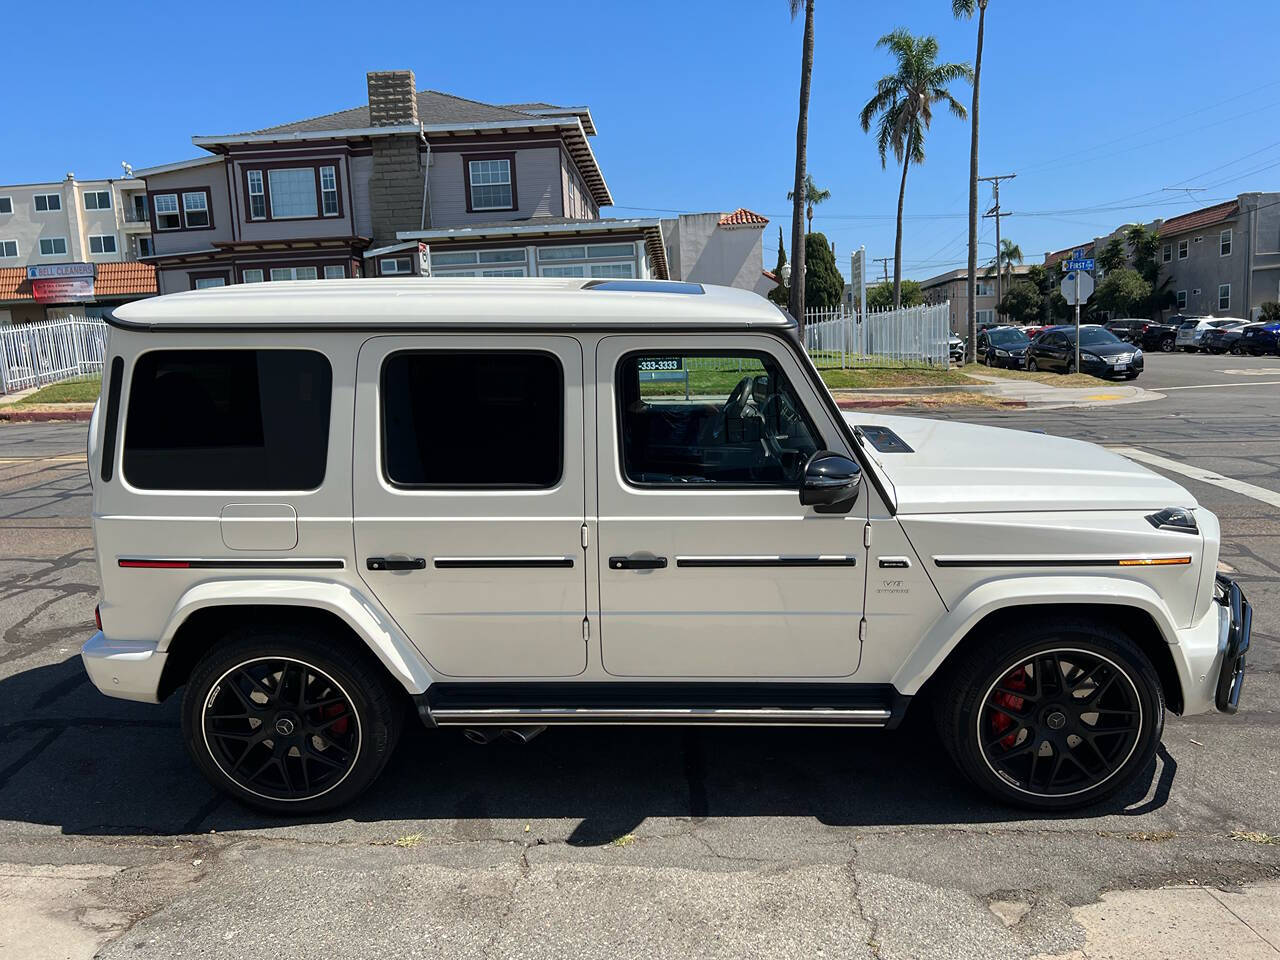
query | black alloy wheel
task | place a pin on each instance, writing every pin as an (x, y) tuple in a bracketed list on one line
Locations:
[(1031, 365), (1059, 723), (281, 728), (1167, 345)]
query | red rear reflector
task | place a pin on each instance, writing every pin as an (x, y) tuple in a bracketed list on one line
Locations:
[(97, 617), (157, 564)]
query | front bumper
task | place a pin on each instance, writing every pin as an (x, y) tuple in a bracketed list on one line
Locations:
[(128, 670), (1236, 644), (1016, 361), (1105, 368)]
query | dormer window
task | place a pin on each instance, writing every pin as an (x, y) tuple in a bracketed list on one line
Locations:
[(491, 182)]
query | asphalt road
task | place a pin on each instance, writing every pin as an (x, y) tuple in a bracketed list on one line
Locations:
[(611, 843)]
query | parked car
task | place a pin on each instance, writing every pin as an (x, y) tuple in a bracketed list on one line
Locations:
[(1003, 347), (1191, 331), (955, 347), (1159, 336), (514, 506), (1032, 331), (1128, 329), (1225, 337), (1102, 353), (1261, 338)]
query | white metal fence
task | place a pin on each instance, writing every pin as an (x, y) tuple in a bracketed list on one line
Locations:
[(909, 337), (50, 351)]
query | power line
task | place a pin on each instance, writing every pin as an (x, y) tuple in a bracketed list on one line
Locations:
[(996, 212)]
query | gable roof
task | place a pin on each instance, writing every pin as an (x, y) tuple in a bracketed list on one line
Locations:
[(742, 217), (1200, 218)]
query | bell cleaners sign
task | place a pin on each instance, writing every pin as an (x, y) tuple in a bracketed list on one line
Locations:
[(61, 271)]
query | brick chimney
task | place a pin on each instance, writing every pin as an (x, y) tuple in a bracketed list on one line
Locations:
[(396, 181), (393, 98)]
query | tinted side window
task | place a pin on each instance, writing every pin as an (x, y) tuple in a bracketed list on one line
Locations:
[(707, 419), (228, 420), (473, 419)]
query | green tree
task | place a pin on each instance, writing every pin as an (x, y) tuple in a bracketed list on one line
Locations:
[(1022, 303), (903, 106), (965, 8), (1053, 305), (1122, 292), (1003, 262), (813, 196), (1270, 312), (782, 292), (880, 297), (823, 285), (1113, 255), (1144, 248), (798, 242)]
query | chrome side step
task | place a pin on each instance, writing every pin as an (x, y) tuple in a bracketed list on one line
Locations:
[(656, 716)]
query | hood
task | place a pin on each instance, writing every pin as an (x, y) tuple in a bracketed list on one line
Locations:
[(965, 468)]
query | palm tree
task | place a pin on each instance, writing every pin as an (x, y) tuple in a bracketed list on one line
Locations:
[(802, 140), (813, 195), (904, 102), (1002, 263), (964, 8)]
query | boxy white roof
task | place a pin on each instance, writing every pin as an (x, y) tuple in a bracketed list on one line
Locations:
[(471, 302)]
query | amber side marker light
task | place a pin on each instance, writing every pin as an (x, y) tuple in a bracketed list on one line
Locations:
[(1155, 561)]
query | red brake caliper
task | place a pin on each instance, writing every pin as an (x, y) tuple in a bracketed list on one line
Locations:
[(339, 726), (1016, 680)]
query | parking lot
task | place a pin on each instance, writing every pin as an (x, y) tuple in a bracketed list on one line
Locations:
[(624, 842)]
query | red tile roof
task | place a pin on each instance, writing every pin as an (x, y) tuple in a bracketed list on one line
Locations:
[(1059, 255), (1200, 218), (114, 281), (742, 217)]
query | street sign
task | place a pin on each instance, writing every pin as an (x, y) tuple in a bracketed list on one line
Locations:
[(1077, 287), (1081, 263)]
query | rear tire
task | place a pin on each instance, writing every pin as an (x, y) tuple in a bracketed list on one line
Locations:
[(289, 723), (1032, 741), (1167, 345)]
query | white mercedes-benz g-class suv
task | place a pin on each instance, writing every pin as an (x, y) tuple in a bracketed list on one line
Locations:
[(522, 503)]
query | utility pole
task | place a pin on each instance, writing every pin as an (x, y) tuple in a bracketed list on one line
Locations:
[(996, 212), (885, 261)]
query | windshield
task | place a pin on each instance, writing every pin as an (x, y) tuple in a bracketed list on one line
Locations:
[(1007, 337), (1096, 337)]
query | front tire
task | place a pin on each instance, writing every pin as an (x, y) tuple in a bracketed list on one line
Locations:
[(287, 723), (1061, 715), (1031, 365)]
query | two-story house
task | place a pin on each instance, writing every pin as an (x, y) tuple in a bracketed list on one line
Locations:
[(413, 181)]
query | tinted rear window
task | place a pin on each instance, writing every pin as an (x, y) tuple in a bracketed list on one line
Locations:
[(473, 419), (228, 420)]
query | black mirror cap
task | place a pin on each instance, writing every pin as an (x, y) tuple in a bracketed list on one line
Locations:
[(830, 480)]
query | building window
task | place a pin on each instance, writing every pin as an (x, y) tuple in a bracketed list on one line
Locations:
[(6, 205), (1184, 249), (205, 282), (622, 256), (97, 200), (257, 197), (145, 248), (45, 202), (1182, 299), (53, 246), (8, 249), (252, 276), (622, 270), (490, 184), (986, 316), (1224, 296), (1224, 243), (395, 266), (335, 271), (329, 191), (102, 243), (166, 207), (575, 270), (195, 209), (1166, 253), (985, 289), (294, 273), (293, 192), (140, 214)]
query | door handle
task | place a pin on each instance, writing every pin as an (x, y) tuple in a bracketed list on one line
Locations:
[(637, 563), (382, 563)]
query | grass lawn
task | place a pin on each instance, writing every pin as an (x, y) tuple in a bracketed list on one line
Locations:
[(1040, 376), (718, 383), (72, 391)]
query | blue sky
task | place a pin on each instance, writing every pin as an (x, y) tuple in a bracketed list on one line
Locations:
[(1095, 111)]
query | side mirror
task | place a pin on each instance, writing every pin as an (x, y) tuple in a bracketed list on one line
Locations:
[(830, 479)]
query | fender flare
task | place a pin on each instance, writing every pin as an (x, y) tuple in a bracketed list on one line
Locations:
[(1020, 591), (379, 633)]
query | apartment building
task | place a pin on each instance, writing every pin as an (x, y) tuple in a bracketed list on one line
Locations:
[(413, 181), (74, 221), (953, 286)]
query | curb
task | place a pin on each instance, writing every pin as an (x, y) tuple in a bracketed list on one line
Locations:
[(975, 387), (44, 416), (875, 403)]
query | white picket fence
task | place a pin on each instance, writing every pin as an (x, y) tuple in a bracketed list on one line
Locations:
[(50, 351), (908, 337)]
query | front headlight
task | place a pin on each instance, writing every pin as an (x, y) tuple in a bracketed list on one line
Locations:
[(1137, 354), (1091, 357), (1002, 353)]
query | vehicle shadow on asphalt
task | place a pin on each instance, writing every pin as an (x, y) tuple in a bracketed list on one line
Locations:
[(90, 765)]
